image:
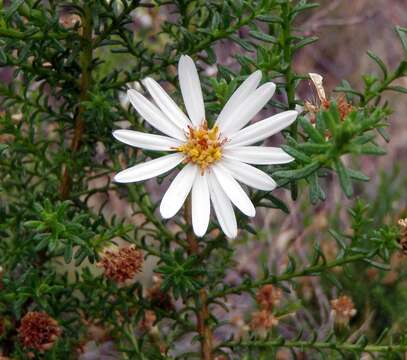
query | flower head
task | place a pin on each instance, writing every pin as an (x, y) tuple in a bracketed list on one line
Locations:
[(121, 264), (403, 234), (215, 159), (38, 331), (268, 296), (343, 309), (262, 321)]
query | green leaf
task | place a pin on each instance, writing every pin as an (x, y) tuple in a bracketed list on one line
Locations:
[(379, 62), (315, 191), (311, 130), (10, 10), (306, 41), (263, 37), (243, 43), (357, 175), (402, 33), (278, 204), (377, 265), (340, 239), (344, 178), (296, 154), (68, 253), (312, 148), (298, 173), (397, 88), (270, 19), (368, 149)]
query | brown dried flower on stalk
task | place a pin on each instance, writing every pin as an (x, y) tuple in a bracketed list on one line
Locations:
[(343, 309), (262, 321), (147, 323), (268, 296), (159, 298), (403, 234), (121, 264), (38, 331)]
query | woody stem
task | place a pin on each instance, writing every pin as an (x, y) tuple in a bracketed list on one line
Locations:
[(201, 302)]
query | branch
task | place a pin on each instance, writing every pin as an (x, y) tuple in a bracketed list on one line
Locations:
[(86, 62), (309, 271), (319, 345)]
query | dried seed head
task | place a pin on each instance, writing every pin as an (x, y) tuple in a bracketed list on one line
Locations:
[(70, 20), (157, 297), (148, 321), (38, 331), (268, 296), (403, 234), (343, 309), (121, 264), (344, 107), (262, 321)]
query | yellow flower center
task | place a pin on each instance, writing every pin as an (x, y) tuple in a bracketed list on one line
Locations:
[(203, 147)]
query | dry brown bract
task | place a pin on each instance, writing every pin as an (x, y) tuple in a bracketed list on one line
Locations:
[(38, 331), (122, 264), (268, 297), (403, 234), (343, 309), (262, 321)]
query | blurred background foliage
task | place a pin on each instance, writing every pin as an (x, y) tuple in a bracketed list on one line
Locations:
[(329, 231)]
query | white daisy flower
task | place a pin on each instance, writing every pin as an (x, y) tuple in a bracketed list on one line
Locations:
[(215, 160)]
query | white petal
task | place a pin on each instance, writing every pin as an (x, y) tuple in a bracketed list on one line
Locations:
[(166, 104), (149, 169), (154, 115), (258, 155), (233, 190), (201, 206), (178, 191), (191, 90), (263, 129), (249, 175), (247, 109), (242, 92), (146, 141), (223, 208)]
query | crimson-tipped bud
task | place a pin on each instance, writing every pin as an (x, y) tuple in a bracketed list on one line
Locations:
[(121, 264), (38, 331)]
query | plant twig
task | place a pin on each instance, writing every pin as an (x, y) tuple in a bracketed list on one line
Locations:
[(202, 305), (85, 82)]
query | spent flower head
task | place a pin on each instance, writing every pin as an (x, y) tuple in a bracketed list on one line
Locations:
[(343, 309), (215, 159), (403, 234), (268, 296), (121, 264), (38, 331)]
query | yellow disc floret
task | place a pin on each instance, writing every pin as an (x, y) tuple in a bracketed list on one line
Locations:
[(203, 147)]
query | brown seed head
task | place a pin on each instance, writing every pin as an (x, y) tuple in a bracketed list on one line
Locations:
[(343, 309), (122, 264), (403, 234), (38, 331), (268, 297), (262, 321), (69, 20), (159, 298), (148, 321), (344, 107)]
